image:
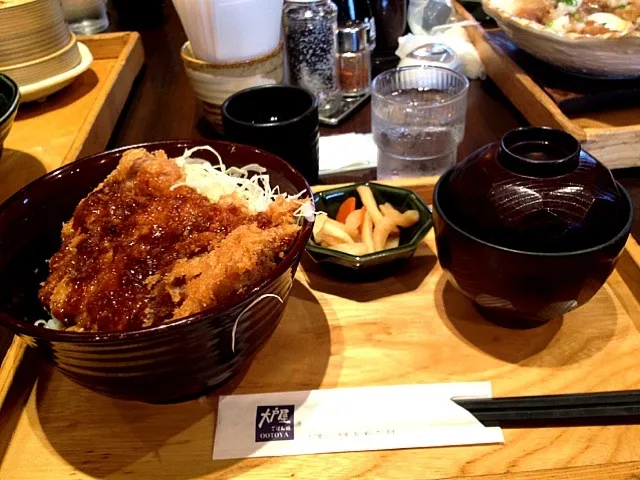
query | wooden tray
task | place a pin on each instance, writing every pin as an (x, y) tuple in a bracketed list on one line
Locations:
[(412, 328), (611, 135), (574, 95), (74, 122)]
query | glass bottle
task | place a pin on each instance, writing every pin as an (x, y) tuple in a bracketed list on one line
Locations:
[(356, 40), (354, 60), (310, 28), (391, 23)]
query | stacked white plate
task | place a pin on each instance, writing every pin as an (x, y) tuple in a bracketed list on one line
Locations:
[(36, 46)]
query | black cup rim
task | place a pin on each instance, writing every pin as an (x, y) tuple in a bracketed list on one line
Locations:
[(246, 91), (572, 253), (26, 328), (14, 99), (539, 168)]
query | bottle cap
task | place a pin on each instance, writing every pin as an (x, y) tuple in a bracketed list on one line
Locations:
[(354, 37)]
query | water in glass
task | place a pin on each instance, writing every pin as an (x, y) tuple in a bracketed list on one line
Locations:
[(410, 144)]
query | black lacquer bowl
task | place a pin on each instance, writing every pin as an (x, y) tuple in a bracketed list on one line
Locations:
[(9, 99), (167, 363), (531, 227)]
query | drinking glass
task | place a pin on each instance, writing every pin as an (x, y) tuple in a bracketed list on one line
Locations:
[(85, 17), (417, 120)]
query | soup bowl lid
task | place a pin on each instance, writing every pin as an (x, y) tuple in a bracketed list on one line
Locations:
[(535, 190)]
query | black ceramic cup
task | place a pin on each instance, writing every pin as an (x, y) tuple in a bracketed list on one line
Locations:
[(280, 119)]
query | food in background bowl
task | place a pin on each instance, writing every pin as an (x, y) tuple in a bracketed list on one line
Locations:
[(598, 38), (586, 17), (172, 361), (361, 231), (161, 239)]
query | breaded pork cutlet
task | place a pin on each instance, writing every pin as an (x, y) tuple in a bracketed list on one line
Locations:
[(138, 252)]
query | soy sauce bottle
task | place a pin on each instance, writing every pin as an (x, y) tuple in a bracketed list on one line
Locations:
[(391, 23)]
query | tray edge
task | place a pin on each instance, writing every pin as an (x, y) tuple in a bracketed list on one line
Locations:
[(98, 126)]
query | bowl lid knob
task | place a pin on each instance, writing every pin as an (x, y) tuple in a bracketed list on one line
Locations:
[(539, 152)]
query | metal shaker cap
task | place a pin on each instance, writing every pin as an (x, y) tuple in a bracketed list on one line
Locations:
[(354, 37)]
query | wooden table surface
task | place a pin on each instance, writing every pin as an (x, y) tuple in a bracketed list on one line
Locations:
[(162, 106), (411, 328)]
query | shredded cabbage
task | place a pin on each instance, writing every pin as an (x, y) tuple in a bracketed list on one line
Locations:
[(215, 181), (52, 323)]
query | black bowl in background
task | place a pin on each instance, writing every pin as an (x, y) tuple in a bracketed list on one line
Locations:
[(280, 119), (520, 288), (9, 100), (161, 364), (373, 266)]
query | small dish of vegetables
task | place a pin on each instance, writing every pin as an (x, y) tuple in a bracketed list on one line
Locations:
[(367, 228)]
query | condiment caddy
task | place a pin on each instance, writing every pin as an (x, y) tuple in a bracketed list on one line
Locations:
[(329, 51), (346, 107)]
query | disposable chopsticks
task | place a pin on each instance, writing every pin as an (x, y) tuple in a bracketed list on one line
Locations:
[(606, 408)]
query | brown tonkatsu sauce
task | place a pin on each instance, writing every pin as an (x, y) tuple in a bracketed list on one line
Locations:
[(124, 236)]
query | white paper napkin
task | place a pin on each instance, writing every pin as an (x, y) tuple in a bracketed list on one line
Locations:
[(454, 37), (347, 152), (349, 419)]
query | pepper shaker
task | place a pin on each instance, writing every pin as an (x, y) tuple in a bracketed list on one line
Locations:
[(310, 28)]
